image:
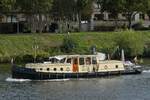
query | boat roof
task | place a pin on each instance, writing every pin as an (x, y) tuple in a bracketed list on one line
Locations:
[(59, 57)]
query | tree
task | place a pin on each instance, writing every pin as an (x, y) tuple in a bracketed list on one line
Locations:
[(132, 7), (71, 10), (69, 44), (63, 11), (148, 9), (132, 42), (35, 11), (8, 7), (128, 7), (81, 7), (111, 6)]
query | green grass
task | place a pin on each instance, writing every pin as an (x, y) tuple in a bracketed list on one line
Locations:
[(22, 44)]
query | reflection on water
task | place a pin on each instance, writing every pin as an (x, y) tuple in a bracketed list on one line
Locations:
[(128, 87)]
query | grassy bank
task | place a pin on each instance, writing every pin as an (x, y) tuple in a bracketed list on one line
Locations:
[(22, 46)]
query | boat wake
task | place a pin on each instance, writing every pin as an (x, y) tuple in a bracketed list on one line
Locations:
[(54, 80), (9, 79), (146, 71)]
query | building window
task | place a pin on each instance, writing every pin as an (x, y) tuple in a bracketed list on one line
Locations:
[(99, 17), (142, 16), (112, 16)]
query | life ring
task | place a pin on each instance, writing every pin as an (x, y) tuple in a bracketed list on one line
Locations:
[(105, 67), (67, 69)]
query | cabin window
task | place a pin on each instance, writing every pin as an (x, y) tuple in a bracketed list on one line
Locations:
[(81, 60), (47, 69), (55, 69), (116, 66), (54, 60), (88, 61), (94, 60), (69, 60), (62, 60), (61, 69)]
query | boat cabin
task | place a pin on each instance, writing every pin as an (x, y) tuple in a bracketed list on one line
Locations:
[(76, 64)]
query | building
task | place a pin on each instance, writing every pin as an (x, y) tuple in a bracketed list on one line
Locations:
[(105, 19), (99, 22)]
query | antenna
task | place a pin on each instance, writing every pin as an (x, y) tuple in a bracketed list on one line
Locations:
[(122, 55), (35, 47)]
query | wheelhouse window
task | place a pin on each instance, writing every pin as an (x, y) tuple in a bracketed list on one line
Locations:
[(94, 61), (81, 60), (88, 61), (62, 60), (69, 60), (54, 60)]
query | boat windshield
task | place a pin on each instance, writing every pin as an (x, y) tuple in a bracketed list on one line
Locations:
[(62, 60)]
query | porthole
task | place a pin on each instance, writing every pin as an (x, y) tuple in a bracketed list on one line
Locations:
[(105, 67), (55, 69), (41, 69), (61, 69), (116, 66), (67, 69), (47, 69)]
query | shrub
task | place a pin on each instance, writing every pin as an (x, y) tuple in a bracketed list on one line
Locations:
[(28, 58), (132, 42), (69, 45)]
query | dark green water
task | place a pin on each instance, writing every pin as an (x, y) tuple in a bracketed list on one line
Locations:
[(128, 87)]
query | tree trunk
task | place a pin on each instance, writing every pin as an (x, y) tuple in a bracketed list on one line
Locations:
[(116, 23), (32, 23), (130, 21), (79, 21), (11, 18), (40, 24), (47, 23)]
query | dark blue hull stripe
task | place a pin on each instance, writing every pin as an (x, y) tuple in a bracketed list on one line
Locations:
[(25, 73)]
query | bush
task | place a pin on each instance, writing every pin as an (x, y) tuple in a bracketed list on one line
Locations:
[(104, 28), (132, 42), (147, 51), (28, 58), (69, 45)]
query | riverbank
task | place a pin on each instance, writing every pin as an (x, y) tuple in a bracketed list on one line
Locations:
[(25, 46)]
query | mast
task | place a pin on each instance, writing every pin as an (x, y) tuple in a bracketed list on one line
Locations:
[(122, 55)]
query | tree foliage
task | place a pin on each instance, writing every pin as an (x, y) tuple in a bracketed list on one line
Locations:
[(69, 45), (8, 5), (131, 42), (128, 7), (83, 8), (35, 10), (132, 7)]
